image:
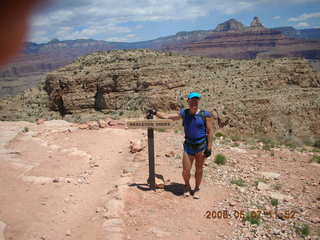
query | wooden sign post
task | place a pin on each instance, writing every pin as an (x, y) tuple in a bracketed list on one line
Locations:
[(151, 124)]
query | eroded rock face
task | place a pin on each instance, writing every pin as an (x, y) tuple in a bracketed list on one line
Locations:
[(278, 97), (127, 80), (230, 25)]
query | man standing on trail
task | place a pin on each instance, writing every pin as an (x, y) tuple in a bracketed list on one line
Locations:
[(198, 129)]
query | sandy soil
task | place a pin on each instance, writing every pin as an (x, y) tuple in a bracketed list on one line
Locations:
[(60, 182)]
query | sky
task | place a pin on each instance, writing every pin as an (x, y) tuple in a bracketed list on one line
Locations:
[(140, 20)]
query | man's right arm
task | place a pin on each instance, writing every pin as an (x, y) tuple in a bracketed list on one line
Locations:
[(172, 116)]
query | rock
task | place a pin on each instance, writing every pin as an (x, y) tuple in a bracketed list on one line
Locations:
[(139, 157), (160, 183), (113, 208), (136, 146), (102, 123), (37, 179), (116, 123), (279, 196), (56, 180), (170, 154), (113, 225), (256, 23), (93, 125), (270, 175), (263, 186), (2, 228), (83, 126), (230, 25), (40, 121), (159, 232), (242, 189), (68, 233), (315, 220)]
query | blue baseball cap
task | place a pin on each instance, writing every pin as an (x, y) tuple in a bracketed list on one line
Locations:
[(194, 95)]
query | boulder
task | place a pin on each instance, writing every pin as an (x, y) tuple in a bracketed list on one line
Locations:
[(136, 146), (102, 123)]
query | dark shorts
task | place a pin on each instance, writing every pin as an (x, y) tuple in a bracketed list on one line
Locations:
[(192, 150)]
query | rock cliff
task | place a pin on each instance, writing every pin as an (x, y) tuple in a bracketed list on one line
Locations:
[(277, 97)]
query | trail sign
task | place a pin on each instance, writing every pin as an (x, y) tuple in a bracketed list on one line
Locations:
[(150, 124)]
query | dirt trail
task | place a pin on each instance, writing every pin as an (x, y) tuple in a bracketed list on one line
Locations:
[(53, 181), (60, 182)]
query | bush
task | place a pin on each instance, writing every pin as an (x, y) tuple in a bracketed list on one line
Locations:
[(277, 186), (274, 202), (239, 182), (303, 230), (220, 159), (219, 134), (317, 143), (253, 218), (235, 138), (315, 158), (25, 129)]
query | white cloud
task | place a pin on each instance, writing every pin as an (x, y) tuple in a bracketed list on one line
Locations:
[(276, 17), (107, 18), (104, 19), (303, 24), (304, 16)]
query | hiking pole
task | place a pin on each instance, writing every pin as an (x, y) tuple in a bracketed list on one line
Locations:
[(151, 179)]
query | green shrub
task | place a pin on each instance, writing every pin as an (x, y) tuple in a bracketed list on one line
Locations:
[(220, 159), (266, 141), (277, 186), (219, 134), (235, 138), (317, 143), (25, 129), (253, 218), (239, 182), (267, 147), (161, 129), (274, 202), (315, 158), (302, 229), (235, 145)]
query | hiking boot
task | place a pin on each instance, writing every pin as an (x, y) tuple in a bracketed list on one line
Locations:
[(187, 191), (196, 193)]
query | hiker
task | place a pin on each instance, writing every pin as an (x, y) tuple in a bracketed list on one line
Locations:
[(198, 129)]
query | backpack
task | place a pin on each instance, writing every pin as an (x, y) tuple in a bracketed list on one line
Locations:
[(202, 114)]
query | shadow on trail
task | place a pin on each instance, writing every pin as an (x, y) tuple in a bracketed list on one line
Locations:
[(174, 188)]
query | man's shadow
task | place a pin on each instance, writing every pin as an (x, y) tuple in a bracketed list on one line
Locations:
[(173, 187)]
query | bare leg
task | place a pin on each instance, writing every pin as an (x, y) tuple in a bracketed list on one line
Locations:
[(187, 162), (199, 172)]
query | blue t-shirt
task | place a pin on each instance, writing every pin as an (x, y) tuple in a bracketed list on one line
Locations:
[(194, 125)]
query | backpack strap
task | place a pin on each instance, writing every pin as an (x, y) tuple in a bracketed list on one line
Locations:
[(202, 114), (185, 112)]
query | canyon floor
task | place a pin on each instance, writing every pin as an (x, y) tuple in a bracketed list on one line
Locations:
[(58, 181)]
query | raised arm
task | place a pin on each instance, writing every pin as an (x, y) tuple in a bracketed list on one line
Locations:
[(172, 116), (209, 123)]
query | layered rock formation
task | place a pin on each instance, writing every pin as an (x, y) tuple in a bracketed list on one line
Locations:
[(267, 96), (233, 40), (230, 25), (230, 39), (256, 23)]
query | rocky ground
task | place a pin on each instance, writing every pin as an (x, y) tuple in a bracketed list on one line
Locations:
[(62, 180)]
